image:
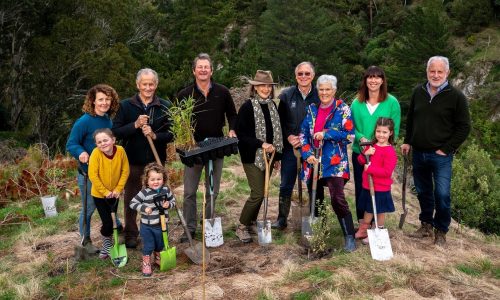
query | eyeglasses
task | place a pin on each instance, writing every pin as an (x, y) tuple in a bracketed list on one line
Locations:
[(300, 74)]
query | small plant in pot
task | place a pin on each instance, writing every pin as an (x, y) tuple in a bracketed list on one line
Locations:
[(189, 151)]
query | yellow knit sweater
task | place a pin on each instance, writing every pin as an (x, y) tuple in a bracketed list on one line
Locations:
[(108, 175)]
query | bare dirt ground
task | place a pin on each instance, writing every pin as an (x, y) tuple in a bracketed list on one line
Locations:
[(242, 271)]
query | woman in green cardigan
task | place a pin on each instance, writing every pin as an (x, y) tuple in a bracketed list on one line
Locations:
[(372, 101)]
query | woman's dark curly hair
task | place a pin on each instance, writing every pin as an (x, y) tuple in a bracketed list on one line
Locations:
[(89, 103)]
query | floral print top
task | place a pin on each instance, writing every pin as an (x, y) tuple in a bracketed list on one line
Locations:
[(339, 132)]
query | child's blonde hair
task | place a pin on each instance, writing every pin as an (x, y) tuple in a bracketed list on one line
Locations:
[(156, 168)]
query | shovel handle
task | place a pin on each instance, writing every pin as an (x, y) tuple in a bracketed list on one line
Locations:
[(296, 152), (153, 149)]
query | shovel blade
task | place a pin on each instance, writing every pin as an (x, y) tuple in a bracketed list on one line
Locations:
[(264, 232), (168, 259), (213, 232), (119, 255), (380, 244), (118, 252), (195, 253), (307, 222), (298, 212)]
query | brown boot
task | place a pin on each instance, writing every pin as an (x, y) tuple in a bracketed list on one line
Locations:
[(439, 238), (146, 265), (363, 227), (425, 230)]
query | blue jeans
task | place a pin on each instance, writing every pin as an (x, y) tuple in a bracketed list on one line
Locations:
[(152, 239), (432, 176), (90, 206), (288, 172)]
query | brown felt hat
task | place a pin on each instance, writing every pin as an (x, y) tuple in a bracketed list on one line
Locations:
[(262, 77)]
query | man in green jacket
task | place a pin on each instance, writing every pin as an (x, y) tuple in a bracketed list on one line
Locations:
[(438, 122)]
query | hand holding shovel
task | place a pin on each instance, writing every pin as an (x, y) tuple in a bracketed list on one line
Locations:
[(309, 220)]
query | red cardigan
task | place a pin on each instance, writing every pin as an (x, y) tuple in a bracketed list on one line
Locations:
[(383, 163)]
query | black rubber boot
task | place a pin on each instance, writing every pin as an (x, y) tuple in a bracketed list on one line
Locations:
[(283, 211), (347, 226)]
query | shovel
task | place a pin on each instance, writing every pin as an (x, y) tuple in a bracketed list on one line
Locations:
[(309, 220), (380, 243), (118, 252), (168, 255), (299, 211), (213, 226), (403, 191), (194, 251), (264, 226), (86, 249)]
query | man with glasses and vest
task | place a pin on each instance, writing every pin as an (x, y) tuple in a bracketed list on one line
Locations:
[(296, 99)]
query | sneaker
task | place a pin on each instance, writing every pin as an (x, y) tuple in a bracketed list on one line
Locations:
[(119, 229), (439, 238), (365, 241), (425, 230), (184, 238), (243, 234)]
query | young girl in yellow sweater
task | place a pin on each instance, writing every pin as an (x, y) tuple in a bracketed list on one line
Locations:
[(108, 172)]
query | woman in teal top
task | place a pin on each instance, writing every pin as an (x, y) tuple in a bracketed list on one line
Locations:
[(372, 101)]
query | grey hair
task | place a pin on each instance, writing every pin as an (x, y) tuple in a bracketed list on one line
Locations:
[(441, 58), (202, 56), (327, 79), (305, 63), (146, 71)]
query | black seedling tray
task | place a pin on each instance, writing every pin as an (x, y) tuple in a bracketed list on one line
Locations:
[(209, 149)]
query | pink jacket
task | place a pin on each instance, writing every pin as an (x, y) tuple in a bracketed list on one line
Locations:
[(383, 163)]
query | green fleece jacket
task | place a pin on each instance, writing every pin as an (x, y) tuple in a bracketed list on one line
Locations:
[(441, 124)]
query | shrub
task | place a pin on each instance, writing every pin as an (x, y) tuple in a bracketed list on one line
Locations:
[(475, 189)]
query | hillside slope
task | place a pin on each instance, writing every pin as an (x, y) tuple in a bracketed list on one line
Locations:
[(467, 268)]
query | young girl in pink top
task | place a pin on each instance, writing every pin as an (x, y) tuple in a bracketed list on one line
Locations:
[(383, 160)]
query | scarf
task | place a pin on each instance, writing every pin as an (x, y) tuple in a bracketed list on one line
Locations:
[(260, 128)]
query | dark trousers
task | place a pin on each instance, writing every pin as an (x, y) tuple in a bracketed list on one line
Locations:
[(132, 188), (358, 184), (288, 172), (152, 239), (104, 207), (336, 187), (251, 208)]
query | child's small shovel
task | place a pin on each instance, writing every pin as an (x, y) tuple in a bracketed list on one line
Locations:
[(168, 257), (118, 253)]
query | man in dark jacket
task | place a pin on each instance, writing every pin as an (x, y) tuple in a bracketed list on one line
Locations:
[(438, 122), (213, 104), (142, 115), (295, 99)]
